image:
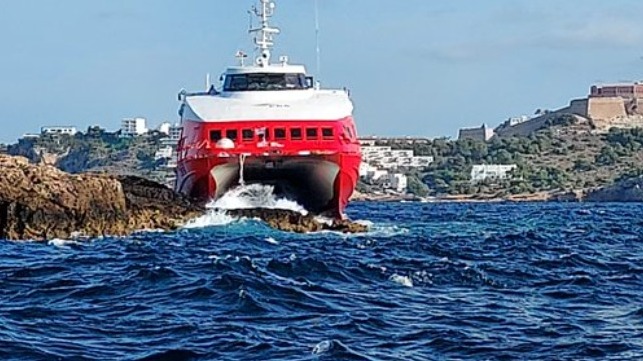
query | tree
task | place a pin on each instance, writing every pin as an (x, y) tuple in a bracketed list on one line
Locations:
[(607, 156), (417, 187)]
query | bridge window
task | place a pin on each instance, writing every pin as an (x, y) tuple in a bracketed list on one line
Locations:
[(248, 134), (232, 134), (280, 134), (327, 133), (266, 82), (215, 135), (311, 133), (295, 133)]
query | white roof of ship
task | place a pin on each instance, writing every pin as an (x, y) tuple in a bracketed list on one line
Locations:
[(270, 105), (272, 69)]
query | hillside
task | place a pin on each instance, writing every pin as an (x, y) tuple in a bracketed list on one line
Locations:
[(567, 155), (96, 151)]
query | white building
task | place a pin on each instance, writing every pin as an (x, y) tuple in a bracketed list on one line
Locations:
[(132, 127), (516, 120), (481, 173), (374, 175), (164, 153), (387, 158), (164, 128), (397, 182), (58, 130), (175, 132)]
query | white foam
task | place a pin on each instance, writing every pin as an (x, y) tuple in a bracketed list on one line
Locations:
[(403, 280), (322, 347), (63, 243), (212, 218), (243, 197), (254, 196), (271, 240)]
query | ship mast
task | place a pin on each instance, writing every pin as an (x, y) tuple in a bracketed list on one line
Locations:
[(264, 34)]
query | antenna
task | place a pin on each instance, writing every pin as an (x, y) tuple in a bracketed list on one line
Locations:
[(318, 47), (264, 34)]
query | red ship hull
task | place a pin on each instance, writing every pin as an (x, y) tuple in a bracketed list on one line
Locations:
[(315, 163)]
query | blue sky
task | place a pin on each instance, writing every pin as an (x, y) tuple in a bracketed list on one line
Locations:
[(414, 67)]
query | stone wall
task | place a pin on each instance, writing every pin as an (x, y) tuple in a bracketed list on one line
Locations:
[(606, 108), (482, 134)]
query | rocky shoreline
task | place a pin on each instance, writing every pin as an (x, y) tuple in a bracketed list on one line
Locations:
[(41, 202), (630, 190)]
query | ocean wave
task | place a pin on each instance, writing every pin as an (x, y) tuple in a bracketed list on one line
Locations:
[(429, 282)]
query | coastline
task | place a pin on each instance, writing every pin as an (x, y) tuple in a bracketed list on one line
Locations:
[(549, 196)]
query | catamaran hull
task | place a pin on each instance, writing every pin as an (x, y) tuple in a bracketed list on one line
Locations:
[(323, 184)]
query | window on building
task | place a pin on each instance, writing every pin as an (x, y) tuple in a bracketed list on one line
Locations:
[(248, 134), (215, 135), (327, 133), (295, 134), (232, 134), (280, 134), (311, 133)]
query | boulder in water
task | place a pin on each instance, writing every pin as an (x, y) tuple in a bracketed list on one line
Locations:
[(292, 221), (40, 202)]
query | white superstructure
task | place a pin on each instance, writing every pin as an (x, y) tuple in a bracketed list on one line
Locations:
[(265, 90)]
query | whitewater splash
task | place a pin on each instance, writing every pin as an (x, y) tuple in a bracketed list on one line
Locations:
[(254, 196), (243, 197)]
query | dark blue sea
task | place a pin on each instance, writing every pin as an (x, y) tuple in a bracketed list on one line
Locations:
[(429, 282)]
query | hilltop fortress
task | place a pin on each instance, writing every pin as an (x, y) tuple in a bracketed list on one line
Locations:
[(606, 106)]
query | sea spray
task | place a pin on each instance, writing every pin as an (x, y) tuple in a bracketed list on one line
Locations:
[(254, 196), (243, 197)]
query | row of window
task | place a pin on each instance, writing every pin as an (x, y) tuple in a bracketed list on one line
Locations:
[(249, 135)]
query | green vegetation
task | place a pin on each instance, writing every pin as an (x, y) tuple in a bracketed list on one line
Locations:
[(95, 150), (567, 155)]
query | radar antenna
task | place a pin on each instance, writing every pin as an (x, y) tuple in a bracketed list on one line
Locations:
[(318, 47), (264, 34)]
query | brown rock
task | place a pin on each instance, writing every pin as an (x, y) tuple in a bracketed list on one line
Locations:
[(40, 202), (627, 190), (291, 221)]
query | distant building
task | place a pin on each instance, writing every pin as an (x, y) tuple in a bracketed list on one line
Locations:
[(372, 140), (480, 173), (164, 128), (58, 130), (164, 153), (397, 182), (483, 133), (30, 136), (133, 127), (516, 120), (623, 90), (175, 132), (387, 158)]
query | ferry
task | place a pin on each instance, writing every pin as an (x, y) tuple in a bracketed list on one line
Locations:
[(269, 122)]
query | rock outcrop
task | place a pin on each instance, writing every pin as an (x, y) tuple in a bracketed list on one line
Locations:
[(629, 190), (41, 202), (291, 221)]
